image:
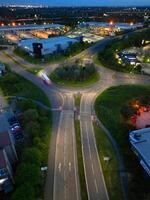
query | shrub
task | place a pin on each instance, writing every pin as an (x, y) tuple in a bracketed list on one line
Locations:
[(32, 156), (24, 192), (28, 173)]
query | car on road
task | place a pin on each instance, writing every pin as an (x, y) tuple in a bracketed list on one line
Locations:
[(45, 79)]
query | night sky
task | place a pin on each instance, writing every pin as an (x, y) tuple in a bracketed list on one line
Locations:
[(80, 2)]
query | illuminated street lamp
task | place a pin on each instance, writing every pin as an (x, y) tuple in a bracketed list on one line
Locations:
[(13, 24), (131, 23), (111, 22)]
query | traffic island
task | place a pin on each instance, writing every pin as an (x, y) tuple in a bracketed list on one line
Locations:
[(75, 75)]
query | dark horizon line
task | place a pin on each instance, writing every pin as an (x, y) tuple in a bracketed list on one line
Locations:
[(88, 6)]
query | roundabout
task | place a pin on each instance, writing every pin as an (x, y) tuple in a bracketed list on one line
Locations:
[(75, 76)]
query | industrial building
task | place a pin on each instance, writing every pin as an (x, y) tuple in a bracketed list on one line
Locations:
[(46, 46), (140, 141), (30, 27)]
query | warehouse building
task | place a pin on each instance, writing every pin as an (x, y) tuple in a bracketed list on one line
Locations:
[(140, 141), (122, 26), (46, 46), (30, 27)]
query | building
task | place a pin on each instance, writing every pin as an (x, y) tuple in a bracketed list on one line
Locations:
[(7, 142), (8, 159), (30, 27), (140, 142), (121, 26), (104, 28), (6, 173), (47, 46), (128, 58)]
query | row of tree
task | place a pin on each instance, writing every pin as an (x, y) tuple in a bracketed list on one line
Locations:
[(29, 179)]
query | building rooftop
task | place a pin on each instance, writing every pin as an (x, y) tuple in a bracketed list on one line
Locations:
[(50, 43), (140, 140), (4, 139), (2, 160), (30, 27), (114, 25)]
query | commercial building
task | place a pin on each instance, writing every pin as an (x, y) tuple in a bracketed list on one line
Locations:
[(104, 28), (47, 46), (140, 141), (128, 58)]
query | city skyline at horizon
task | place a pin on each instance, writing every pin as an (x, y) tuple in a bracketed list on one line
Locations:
[(75, 3)]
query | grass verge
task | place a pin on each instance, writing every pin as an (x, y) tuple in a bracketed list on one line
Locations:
[(14, 85), (68, 83), (110, 168), (80, 162), (108, 109), (77, 100)]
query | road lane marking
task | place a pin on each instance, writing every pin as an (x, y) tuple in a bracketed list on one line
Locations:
[(96, 185), (92, 169), (59, 167), (88, 140), (69, 166)]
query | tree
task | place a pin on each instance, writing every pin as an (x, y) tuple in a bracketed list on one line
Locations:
[(32, 156), (30, 115), (24, 105), (28, 173), (24, 192), (32, 129)]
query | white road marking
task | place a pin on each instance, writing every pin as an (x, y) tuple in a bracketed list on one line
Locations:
[(59, 167), (92, 169), (86, 129), (96, 185), (69, 166)]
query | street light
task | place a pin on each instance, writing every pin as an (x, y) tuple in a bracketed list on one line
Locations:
[(111, 22)]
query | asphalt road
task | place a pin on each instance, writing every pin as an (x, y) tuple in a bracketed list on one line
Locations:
[(93, 172), (66, 180)]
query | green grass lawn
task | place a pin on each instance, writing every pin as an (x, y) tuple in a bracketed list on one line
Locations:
[(110, 169), (80, 162), (77, 100), (108, 109), (68, 83), (14, 85)]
